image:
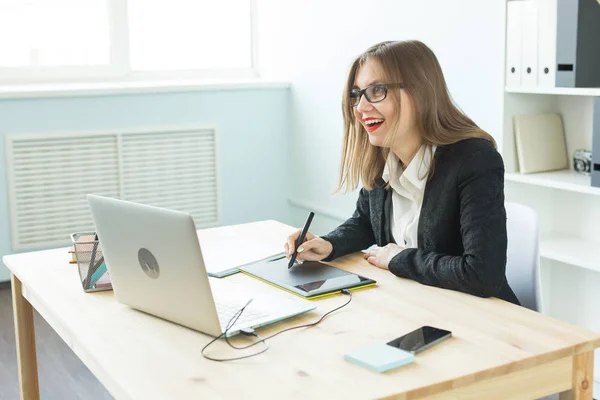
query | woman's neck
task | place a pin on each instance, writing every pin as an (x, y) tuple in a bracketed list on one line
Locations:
[(407, 149)]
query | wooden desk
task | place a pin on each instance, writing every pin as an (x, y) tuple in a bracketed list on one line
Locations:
[(498, 350)]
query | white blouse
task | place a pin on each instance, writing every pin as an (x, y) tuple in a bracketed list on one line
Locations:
[(407, 194)]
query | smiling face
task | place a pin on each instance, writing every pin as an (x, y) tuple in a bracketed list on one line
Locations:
[(379, 118), (418, 112)]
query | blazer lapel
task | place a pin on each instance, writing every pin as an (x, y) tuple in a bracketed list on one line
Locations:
[(382, 208), (387, 213)]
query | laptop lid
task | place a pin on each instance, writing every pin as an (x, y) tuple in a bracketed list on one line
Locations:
[(155, 262)]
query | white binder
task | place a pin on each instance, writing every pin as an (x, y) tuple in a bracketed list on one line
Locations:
[(529, 54), (547, 33), (513, 43)]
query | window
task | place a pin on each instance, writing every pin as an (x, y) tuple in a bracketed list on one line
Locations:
[(43, 40), (193, 34)]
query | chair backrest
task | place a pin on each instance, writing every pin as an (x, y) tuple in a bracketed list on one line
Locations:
[(522, 267)]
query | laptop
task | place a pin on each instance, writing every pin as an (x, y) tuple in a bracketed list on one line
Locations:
[(155, 264)]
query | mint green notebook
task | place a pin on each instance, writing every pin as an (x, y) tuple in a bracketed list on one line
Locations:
[(379, 357)]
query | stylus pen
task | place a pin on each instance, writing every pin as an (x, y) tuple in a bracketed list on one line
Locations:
[(301, 239)]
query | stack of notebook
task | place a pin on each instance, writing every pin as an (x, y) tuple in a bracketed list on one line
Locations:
[(247, 244)]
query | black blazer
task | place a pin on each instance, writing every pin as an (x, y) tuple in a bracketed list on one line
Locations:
[(462, 226)]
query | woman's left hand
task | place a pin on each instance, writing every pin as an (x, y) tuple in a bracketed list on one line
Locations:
[(381, 256)]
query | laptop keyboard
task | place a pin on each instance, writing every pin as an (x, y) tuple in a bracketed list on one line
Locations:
[(226, 311)]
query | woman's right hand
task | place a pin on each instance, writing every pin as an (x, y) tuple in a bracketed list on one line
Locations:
[(313, 249)]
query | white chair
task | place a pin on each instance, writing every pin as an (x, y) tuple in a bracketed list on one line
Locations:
[(522, 266)]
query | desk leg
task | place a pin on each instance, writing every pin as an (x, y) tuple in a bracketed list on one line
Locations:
[(583, 372), (25, 337)]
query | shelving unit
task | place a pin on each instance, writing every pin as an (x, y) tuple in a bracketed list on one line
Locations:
[(563, 180), (556, 91), (568, 206), (571, 250)]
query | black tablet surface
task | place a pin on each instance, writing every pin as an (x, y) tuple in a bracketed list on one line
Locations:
[(309, 279)]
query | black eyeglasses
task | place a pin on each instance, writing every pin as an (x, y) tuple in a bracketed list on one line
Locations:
[(374, 93)]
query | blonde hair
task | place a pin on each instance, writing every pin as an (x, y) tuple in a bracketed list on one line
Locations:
[(440, 120)]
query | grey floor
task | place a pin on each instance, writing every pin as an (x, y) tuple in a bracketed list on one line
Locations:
[(61, 374)]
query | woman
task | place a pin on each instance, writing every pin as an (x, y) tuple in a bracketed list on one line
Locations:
[(433, 182)]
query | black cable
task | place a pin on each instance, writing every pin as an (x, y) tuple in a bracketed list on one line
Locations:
[(260, 339), (231, 322), (345, 291)]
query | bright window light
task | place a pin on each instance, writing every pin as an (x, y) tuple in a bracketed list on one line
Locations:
[(50, 33), (189, 34), (78, 40)]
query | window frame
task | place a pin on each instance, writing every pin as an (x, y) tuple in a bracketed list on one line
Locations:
[(119, 68)]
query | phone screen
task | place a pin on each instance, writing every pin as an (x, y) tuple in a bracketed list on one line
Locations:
[(420, 339)]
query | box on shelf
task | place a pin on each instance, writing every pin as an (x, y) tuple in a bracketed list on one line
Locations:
[(540, 143)]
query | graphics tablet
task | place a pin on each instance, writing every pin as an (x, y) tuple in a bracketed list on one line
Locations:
[(309, 279)]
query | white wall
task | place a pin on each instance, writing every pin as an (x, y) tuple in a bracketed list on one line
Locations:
[(312, 43), (245, 143)]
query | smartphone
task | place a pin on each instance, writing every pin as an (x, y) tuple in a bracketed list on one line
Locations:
[(420, 339)]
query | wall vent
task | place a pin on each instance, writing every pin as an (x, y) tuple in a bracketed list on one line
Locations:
[(50, 174)]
